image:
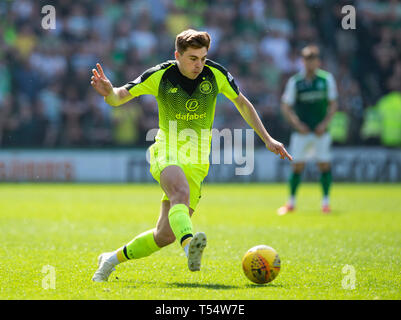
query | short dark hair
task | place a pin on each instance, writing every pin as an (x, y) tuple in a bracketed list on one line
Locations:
[(311, 51), (192, 38)]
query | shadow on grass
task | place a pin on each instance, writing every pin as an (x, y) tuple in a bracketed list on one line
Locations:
[(213, 286), (203, 285), (261, 286), (318, 213)]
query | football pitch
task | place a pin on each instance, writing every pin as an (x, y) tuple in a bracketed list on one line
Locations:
[(51, 235)]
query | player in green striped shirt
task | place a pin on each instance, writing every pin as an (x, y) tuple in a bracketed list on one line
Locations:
[(185, 89), (309, 103)]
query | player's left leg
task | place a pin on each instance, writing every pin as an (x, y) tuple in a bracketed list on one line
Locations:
[(324, 164), (325, 180), (182, 187), (175, 185), (163, 233)]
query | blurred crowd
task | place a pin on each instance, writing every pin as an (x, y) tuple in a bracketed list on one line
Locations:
[(46, 99)]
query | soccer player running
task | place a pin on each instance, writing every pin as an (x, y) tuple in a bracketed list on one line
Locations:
[(185, 89), (309, 103)]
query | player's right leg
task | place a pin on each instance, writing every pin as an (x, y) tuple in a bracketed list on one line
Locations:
[(141, 246), (294, 181), (298, 148)]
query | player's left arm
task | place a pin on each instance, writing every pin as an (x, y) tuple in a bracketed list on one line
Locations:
[(248, 112), (332, 107)]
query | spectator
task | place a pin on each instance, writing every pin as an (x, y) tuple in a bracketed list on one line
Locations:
[(73, 110), (390, 114), (97, 126), (126, 124), (259, 41)]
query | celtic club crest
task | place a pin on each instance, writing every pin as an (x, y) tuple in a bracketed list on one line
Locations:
[(206, 87)]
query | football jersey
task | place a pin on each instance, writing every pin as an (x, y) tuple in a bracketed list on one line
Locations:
[(186, 107), (310, 98)]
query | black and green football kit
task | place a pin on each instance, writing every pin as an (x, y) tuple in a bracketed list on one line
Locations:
[(186, 114)]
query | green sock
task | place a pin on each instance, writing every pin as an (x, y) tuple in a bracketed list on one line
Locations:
[(141, 246), (325, 180), (180, 221), (295, 179)]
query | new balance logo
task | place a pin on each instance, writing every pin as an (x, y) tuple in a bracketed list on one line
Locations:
[(173, 90)]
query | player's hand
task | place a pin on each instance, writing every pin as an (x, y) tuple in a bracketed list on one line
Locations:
[(321, 128), (278, 148), (100, 82), (302, 128)]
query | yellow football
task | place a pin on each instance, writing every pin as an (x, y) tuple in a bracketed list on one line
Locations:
[(261, 264)]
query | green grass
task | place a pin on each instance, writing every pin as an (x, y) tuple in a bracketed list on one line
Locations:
[(67, 226)]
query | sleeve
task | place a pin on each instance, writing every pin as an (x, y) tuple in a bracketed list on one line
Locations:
[(332, 88), (225, 81), (290, 92), (229, 88), (147, 83)]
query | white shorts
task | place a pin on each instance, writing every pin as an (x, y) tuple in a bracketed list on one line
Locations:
[(306, 147)]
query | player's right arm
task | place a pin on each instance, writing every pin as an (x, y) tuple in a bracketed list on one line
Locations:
[(288, 100), (113, 96), (291, 116)]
